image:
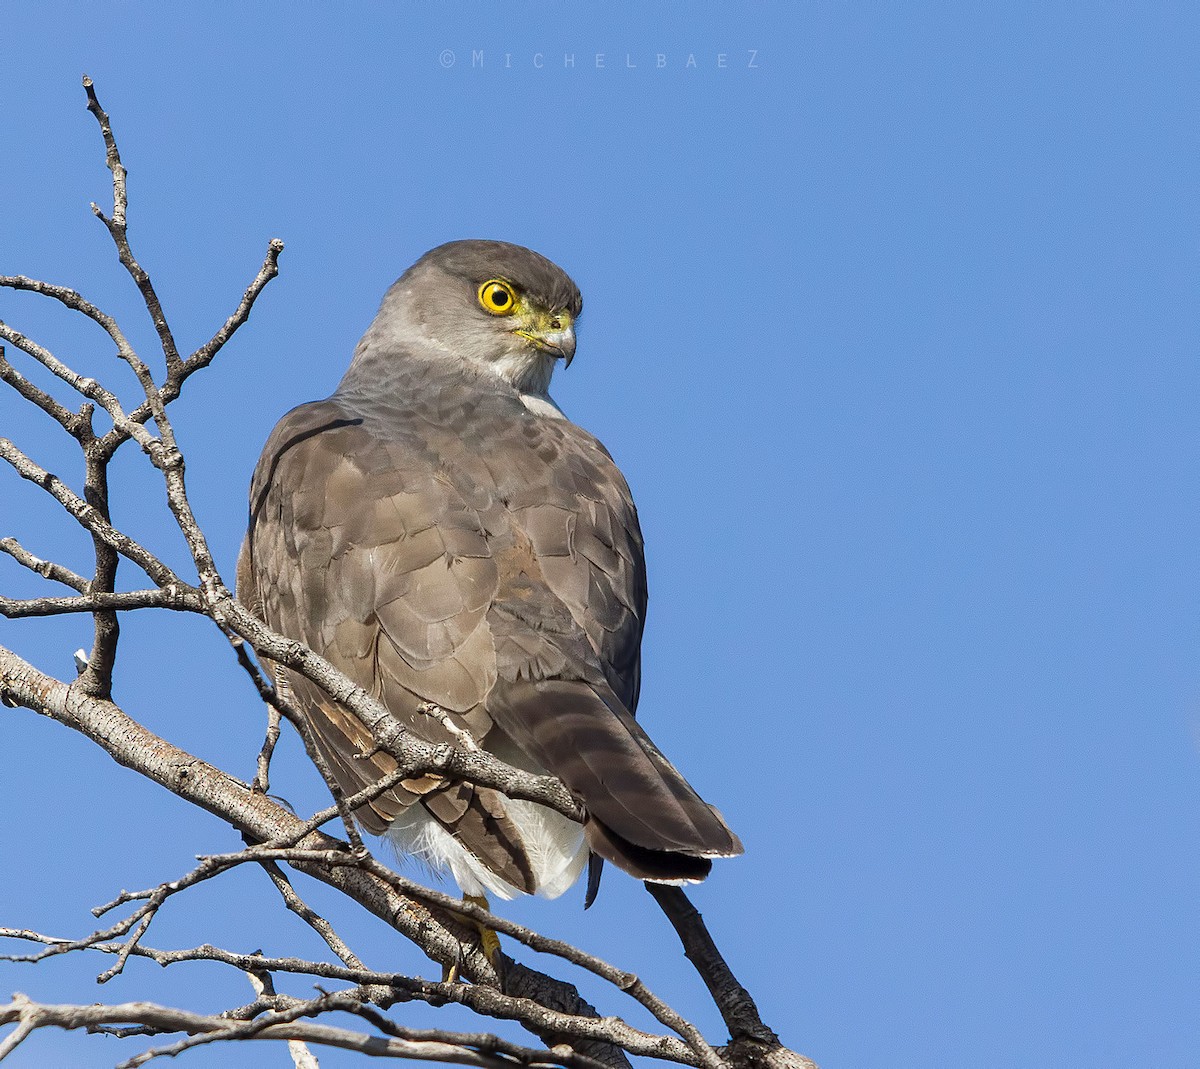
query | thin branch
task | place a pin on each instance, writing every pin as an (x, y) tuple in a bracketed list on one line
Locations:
[(86, 515), (203, 356), (355, 801), (262, 774), (264, 986), (96, 678), (238, 1028), (213, 865), (732, 999), (66, 946), (25, 1025), (180, 598), (47, 569), (74, 423), (310, 916), (751, 1041), (302, 1057), (485, 1042), (71, 299), (82, 384), (282, 707), (622, 980), (556, 1013), (278, 1026), (117, 229), (127, 948)]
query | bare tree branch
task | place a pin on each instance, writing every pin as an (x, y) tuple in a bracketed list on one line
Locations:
[(47, 569), (553, 1013), (446, 942), (262, 764), (82, 384), (279, 706), (203, 356), (132, 745), (757, 1042), (278, 1026), (310, 916), (86, 514), (69, 298), (169, 597), (72, 422), (117, 228)]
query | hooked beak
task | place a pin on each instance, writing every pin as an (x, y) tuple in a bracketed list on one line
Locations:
[(558, 341)]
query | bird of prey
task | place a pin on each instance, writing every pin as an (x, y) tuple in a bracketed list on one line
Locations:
[(443, 534)]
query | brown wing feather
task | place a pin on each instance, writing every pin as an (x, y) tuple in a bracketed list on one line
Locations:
[(383, 573), (603, 755), (462, 551), (589, 549)]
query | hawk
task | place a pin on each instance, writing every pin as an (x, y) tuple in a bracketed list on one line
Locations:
[(443, 534)]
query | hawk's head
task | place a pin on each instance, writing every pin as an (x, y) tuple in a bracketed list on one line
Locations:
[(499, 306)]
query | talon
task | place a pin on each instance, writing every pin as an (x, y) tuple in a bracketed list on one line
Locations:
[(489, 943)]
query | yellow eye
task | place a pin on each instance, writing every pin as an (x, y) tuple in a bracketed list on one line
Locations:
[(498, 297)]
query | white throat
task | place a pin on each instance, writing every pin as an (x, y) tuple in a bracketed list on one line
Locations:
[(530, 372), (527, 369), (542, 404)]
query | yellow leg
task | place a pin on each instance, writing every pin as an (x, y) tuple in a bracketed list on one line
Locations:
[(488, 940)]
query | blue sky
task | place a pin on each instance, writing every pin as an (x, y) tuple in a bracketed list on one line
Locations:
[(894, 335)]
